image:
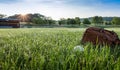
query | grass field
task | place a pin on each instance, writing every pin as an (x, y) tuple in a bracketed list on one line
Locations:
[(53, 49)]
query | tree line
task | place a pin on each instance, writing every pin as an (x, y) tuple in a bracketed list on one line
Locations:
[(37, 18), (97, 20)]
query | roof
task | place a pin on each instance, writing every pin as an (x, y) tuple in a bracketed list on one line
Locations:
[(8, 19)]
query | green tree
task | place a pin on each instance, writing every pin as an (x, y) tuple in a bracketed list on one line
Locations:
[(97, 20), (77, 20), (86, 21), (27, 18), (38, 21), (71, 21), (116, 21), (49, 20), (68, 21), (62, 21), (107, 23), (2, 15)]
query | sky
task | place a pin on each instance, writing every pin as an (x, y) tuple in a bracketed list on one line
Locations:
[(62, 8)]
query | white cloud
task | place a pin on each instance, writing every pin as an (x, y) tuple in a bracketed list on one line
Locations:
[(56, 9), (45, 1)]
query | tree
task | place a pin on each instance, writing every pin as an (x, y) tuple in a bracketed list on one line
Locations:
[(49, 20), (107, 23), (27, 18), (62, 21), (97, 20), (68, 21), (35, 15), (38, 21), (2, 15), (77, 20), (116, 21), (71, 21), (86, 21)]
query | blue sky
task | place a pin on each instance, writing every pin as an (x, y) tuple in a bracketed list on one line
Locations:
[(62, 8)]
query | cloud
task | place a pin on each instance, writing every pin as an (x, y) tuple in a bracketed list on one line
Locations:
[(8, 1), (45, 1), (61, 8)]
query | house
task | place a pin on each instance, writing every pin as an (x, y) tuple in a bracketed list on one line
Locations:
[(9, 23)]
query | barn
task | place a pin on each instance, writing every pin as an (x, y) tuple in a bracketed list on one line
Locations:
[(9, 23)]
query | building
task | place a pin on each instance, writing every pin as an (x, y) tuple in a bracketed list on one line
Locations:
[(9, 23)]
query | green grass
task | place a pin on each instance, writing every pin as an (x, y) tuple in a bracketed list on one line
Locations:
[(53, 49)]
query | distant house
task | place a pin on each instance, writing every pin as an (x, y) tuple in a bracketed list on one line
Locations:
[(9, 23)]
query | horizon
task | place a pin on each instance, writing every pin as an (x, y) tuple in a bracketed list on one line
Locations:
[(57, 9)]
